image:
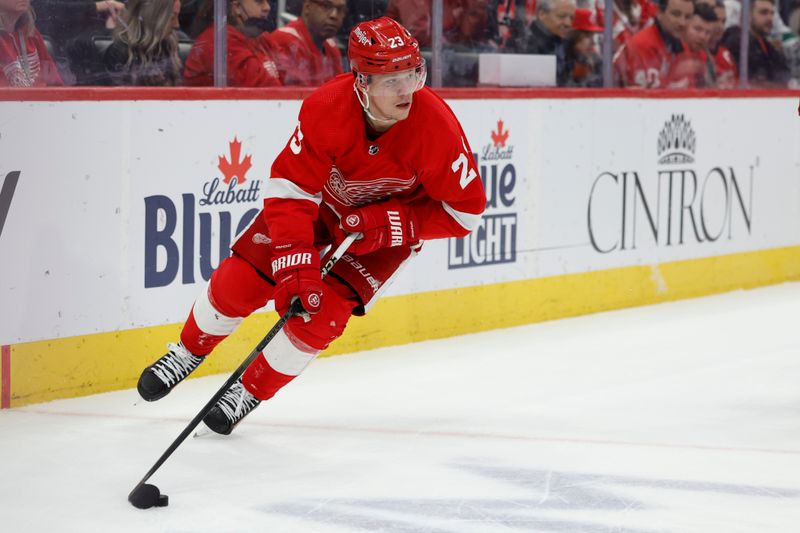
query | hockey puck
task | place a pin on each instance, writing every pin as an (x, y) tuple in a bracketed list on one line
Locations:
[(146, 496)]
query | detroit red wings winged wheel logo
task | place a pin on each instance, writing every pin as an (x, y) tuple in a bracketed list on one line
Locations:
[(235, 168), (352, 220), (361, 192)]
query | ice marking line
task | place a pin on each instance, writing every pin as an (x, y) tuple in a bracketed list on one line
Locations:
[(546, 487), (434, 433), (5, 370)]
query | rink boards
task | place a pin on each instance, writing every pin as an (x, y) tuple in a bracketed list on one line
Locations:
[(119, 210)]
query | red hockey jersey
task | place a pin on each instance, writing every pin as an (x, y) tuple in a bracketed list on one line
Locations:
[(24, 61), (645, 61), (623, 27), (423, 161), (725, 69), (299, 60), (250, 63)]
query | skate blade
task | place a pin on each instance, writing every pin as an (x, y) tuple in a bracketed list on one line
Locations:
[(202, 431)]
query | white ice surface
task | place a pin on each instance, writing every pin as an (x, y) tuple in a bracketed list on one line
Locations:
[(680, 417)]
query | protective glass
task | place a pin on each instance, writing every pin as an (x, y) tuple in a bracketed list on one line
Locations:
[(397, 83)]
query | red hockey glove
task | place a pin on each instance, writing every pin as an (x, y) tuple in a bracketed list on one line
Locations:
[(384, 224), (295, 269)]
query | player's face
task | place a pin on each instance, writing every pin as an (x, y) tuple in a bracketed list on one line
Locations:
[(761, 18), (391, 95), (675, 17), (698, 33)]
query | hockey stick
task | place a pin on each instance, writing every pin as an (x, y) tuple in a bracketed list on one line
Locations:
[(145, 495)]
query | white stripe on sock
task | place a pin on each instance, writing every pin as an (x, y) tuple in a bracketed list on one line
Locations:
[(285, 357), (210, 320)]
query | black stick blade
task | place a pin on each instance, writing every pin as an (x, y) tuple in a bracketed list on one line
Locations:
[(146, 496)]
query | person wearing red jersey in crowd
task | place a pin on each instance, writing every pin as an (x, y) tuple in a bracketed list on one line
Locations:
[(24, 61), (629, 17), (250, 62), (725, 70), (471, 30), (698, 36), (652, 57), (512, 21), (304, 49), (376, 153), (416, 16)]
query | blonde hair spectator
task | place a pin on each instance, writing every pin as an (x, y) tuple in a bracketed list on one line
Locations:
[(145, 47)]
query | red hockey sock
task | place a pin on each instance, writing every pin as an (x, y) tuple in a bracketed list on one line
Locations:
[(195, 340), (262, 381)]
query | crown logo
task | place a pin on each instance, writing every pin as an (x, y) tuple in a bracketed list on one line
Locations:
[(676, 141)]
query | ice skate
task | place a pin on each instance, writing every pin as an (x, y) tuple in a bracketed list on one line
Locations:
[(158, 379), (234, 405)]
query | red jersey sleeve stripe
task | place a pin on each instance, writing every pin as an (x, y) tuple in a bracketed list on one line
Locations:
[(285, 189), (469, 221)]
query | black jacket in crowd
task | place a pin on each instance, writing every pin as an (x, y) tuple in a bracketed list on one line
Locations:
[(766, 65), (540, 41)]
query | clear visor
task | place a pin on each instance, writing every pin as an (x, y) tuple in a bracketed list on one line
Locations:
[(397, 83)]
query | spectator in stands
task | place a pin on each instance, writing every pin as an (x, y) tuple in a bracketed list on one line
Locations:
[(415, 15), (766, 63), (629, 17), (547, 33), (583, 59), (63, 21), (698, 36), (726, 72), (733, 13), (512, 21), (359, 11), (83, 51), (145, 46), (793, 20), (189, 15), (250, 62), (470, 31), (304, 50), (652, 57), (463, 43), (24, 60)]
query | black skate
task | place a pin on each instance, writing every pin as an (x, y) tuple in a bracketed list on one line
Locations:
[(230, 409), (159, 378)]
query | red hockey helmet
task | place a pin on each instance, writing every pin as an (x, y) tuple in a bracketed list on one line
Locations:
[(382, 46)]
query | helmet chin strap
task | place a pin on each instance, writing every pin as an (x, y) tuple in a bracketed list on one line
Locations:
[(363, 99)]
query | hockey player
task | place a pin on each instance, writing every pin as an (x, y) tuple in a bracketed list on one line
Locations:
[(375, 152)]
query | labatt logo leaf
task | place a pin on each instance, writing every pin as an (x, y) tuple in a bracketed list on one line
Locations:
[(499, 137), (234, 168)]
